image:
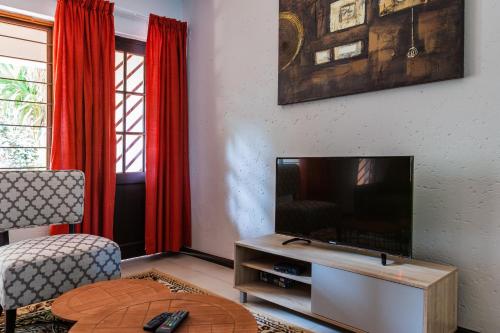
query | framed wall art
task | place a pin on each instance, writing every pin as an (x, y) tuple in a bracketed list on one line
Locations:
[(331, 48)]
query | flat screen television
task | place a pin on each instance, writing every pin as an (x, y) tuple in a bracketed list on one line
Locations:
[(363, 202)]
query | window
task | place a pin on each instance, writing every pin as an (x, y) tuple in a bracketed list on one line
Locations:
[(130, 106), (25, 93), (365, 172)]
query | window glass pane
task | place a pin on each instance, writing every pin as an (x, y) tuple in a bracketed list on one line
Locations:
[(133, 154), (119, 112), (23, 96), (135, 73), (23, 70), (19, 31), (17, 113), (135, 113), (23, 91), (22, 49), (15, 136), (129, 114), (119, 70), (119, 153), (19, 158)]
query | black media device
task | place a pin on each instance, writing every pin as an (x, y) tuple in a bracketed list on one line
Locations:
[(154, 323), (362, 202), (289, 268), (278, 281), (172, 322)]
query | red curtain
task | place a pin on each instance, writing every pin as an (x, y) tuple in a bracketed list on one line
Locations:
[(83, 134), (168, 203)]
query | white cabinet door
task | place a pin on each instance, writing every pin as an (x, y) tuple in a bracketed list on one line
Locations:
[(370, 304)]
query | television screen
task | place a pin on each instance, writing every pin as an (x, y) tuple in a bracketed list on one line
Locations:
[(364, 202)]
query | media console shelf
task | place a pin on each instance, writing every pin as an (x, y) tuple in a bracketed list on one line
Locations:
[(350, 288)]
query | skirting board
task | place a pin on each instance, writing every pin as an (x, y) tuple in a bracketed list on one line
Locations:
[(464, 330), (208, 257)]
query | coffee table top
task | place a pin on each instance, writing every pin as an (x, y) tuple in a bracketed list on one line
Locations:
[(206, 314), (94, 298)]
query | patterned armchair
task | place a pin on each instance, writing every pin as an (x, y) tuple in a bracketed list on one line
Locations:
[(41, 269)]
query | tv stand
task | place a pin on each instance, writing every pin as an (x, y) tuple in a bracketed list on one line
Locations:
[(349, 288), (296, 239)]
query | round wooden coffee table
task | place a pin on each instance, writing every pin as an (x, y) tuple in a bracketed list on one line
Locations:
[(94, 298), (206, 314)]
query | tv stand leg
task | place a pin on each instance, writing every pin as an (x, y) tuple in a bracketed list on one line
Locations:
[(243, 297), (296, 239)]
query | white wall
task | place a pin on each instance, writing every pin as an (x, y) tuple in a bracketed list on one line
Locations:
[(237, 130), (126, 23)]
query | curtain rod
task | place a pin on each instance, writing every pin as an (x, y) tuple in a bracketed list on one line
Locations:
[(122, 12), (126, 13), (119, 11)]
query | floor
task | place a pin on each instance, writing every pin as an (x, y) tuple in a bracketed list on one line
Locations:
[(219, 280)]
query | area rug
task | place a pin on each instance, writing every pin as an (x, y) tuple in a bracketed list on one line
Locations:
[(38, 318)]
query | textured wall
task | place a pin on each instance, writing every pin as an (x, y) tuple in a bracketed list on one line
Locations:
[(452, 128)]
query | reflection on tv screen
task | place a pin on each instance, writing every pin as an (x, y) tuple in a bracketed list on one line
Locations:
[(361, 202)]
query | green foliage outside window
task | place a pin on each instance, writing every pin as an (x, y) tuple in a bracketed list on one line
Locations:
[(15, 92)]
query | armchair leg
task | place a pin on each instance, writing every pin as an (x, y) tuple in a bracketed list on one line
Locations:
[(10, 321)]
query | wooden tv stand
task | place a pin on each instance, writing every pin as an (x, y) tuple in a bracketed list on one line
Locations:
[(350, 288)]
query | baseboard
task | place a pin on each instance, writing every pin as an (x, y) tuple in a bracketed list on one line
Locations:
[(464, 330), (208, 257)]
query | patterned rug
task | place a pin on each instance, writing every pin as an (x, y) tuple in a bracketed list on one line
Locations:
[(38, 318)]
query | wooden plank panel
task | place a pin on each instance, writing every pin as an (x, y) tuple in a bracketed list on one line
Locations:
[(405, 271), (442, 305)]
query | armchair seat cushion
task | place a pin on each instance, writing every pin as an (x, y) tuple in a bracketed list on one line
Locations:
[(43, 268)]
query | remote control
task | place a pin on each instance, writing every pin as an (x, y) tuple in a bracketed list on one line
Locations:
[(154, 323), (172, 322)]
